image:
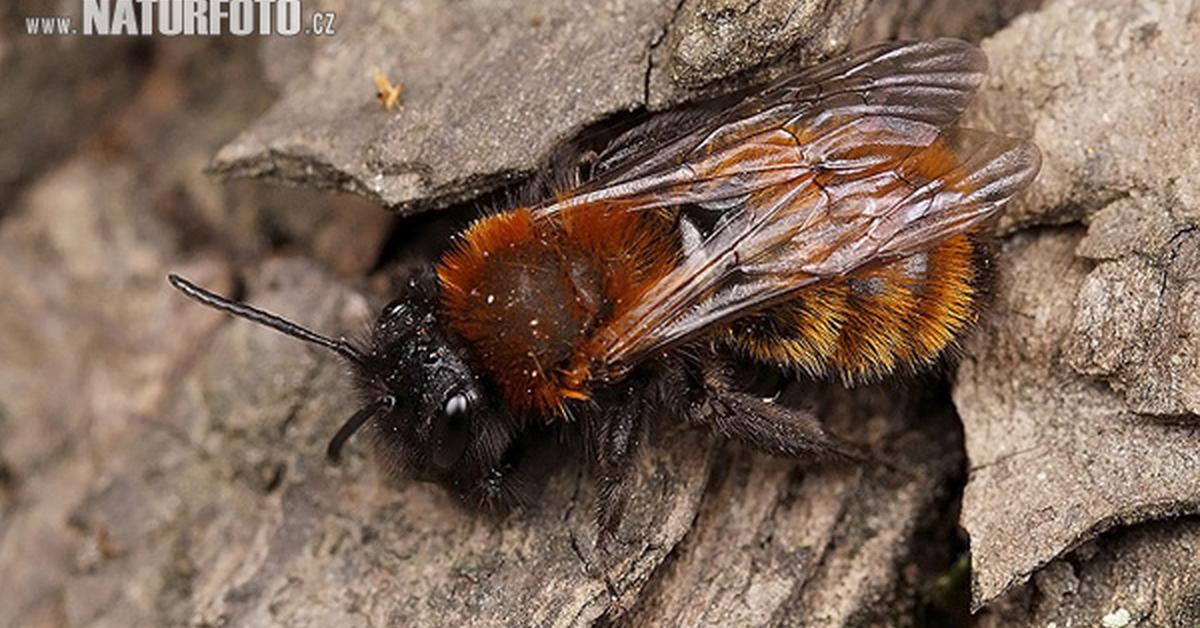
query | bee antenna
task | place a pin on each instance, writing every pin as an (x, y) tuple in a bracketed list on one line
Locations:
[(251, 313), (333, 453)]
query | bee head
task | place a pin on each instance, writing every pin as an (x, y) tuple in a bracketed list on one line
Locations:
[(424, 403), (435, 418)]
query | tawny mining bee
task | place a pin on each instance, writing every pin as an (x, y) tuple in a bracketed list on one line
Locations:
[(828, 223)]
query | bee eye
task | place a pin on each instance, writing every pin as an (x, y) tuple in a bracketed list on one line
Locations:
[(457, 406), (452, 431)]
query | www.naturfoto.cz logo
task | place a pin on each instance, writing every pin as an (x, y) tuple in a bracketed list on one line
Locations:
[(187, 17)]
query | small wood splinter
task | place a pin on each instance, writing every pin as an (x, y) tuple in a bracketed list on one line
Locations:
[(388, 94)]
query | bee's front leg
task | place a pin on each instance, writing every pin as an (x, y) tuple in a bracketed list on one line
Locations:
[(506, 470)]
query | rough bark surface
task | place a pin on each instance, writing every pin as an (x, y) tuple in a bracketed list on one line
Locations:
[(1079, 401), (490, 88), (710, 40), (1140, 576), (162, 465)]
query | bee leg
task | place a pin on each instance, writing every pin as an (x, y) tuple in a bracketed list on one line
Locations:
[(764, 424), (508, 471), (613, 438)]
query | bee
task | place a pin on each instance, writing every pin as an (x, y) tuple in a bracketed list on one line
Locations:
[(830, 223)]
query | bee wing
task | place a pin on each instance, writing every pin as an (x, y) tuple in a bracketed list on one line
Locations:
[(898, 94), (846, 164), (822, 225)]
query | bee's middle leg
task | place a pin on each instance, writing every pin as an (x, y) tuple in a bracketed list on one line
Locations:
[(612, 438)]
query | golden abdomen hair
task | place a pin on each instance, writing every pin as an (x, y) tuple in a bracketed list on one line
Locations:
[(873, 321)]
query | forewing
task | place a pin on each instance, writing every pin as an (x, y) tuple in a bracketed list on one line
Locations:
[(894, 201), (899, 95)]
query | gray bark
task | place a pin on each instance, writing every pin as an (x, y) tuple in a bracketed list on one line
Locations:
[(162, 465)]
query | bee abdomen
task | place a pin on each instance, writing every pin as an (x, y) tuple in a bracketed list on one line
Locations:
[(872, 322)]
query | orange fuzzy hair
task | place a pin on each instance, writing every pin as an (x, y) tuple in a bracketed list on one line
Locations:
[(873, 321), (527, 293)]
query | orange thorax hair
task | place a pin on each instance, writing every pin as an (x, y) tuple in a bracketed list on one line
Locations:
[(527, 294)]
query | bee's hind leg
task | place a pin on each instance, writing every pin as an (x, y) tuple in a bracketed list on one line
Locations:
[(762, 423)]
